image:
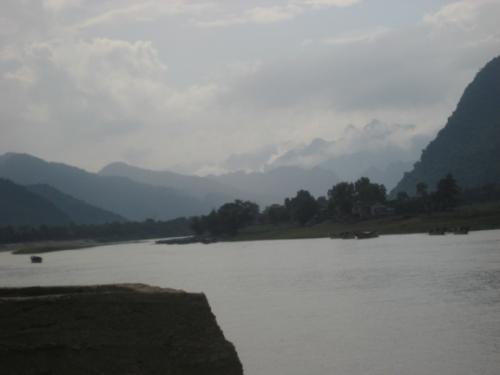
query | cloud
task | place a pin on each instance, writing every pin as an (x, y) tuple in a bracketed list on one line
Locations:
[(256, 15), (144, 11), (100, 91), (331, 3), (462, 14), (272, 14), (60, 5), (96, 81), (357, 37)]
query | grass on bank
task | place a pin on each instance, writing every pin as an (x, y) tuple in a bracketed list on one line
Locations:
[(477, 217)]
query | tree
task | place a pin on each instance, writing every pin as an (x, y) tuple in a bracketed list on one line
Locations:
[(231, 217), (276, 213), (197, 226), (421, 189), (341, 198), (447, 193), (368, 193), (402, 196), (303, 207)]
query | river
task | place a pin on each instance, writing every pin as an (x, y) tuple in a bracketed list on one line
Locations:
[(405, 304)]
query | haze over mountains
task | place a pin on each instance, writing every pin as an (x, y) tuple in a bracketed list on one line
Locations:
[(43, 204), (120, 195), (378, 150), (468, 147), (124, 192), (262, 187)]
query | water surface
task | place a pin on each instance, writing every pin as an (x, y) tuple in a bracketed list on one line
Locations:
[(409, 304)]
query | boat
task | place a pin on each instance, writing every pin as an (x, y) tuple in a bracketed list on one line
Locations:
[(36, 259), (461, 230), (366, 234), (347, 235), (437, 232)]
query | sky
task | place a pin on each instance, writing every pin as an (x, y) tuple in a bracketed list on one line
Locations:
[(190, 85)]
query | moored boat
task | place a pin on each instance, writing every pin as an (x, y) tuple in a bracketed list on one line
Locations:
[(347, 235), (366, 234), (437, 232), (36, 259), (461, 230)]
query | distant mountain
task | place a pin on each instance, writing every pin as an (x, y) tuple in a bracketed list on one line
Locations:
[(469, 145), (275, 185), (262, 187), (378, 150), (77, 210), (382, 166), (19, 206), (211, 192), (130, 199)]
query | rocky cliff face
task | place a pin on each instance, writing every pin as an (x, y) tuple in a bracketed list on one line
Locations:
[(469, 145), (111, 329)]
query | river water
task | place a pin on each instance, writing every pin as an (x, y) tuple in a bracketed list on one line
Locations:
[(406, 304)]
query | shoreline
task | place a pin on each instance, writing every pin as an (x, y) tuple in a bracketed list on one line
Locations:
[(41, 247), (477, 217)]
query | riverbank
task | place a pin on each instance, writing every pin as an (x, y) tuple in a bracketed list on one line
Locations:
[(477, 217), (38, 247), (111, 329)]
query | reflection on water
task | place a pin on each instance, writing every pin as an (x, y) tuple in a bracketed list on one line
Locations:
[(410, 304)]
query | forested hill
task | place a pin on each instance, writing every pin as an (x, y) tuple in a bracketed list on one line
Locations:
[(129, 199), (22, 207), (77, 210), (469, 145)]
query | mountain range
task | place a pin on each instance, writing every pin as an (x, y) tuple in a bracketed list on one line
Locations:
[(34, 191), (120, 195), (19, 206), (122, 192)]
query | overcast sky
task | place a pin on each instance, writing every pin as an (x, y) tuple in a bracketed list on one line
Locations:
[(185, 84)]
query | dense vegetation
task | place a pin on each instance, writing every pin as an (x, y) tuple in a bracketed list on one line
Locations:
[(19, 206), (345, 202), (130, 199), (78, 211), (468, 146), (119, 231)]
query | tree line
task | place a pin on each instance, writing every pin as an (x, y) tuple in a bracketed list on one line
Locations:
[(118, 231), (344, 201)]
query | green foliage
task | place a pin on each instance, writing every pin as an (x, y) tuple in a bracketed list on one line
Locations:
[(303, 207), (446, 197), (345, 195), (368, 193), (227, 220), (119, 231), (447, 193), (341, 198), (276, 213), (19, 206)]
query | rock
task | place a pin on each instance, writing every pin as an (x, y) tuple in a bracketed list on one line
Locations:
[(125, 329)]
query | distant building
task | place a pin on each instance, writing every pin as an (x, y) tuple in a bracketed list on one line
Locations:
[(363, 210), (379, 209)]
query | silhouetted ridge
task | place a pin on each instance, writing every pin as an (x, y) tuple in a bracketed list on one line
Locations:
[(18, 206), (79, 211), (469, 145), (130, 199)]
